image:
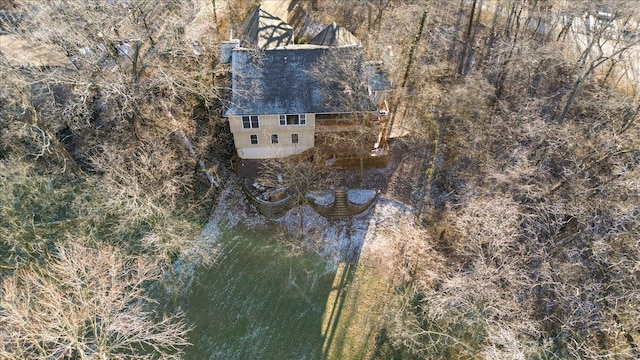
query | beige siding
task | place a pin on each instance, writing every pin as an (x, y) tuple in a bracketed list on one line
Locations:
[(269, 125)]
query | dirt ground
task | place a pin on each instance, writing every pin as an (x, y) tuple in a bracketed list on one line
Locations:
[(401, 178)]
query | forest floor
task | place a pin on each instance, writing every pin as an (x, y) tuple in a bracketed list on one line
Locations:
[(401, 178)]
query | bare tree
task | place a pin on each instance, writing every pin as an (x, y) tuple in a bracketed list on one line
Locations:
[(88, 304), (529, 212), (603, 42), (353, 130), (36, 210), (298, 177), (124, 57), (99, 120)]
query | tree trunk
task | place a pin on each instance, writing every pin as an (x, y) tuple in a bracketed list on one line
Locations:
[(504, 69), (454, 43), (492, 37), (467, 39), (191, 149), (576, 87), (413, 48), (215, 16), (471, 42), (301, 202)]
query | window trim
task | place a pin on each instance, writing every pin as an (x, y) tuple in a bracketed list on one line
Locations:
[(275, 139), (283, 119), (295, 138), (252, 137), (248, 122)]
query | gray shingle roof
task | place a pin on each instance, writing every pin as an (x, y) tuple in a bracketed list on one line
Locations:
[(299, 79), (378, 77)]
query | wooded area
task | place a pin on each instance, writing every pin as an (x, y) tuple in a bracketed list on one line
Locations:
[(531, 197)]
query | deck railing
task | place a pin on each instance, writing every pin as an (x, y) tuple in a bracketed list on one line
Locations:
[(375, 159)]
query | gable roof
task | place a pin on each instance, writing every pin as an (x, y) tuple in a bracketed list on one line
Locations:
[(264, 30), (334, 35), (292, 80)]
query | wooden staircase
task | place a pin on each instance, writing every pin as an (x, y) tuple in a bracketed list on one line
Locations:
[(341, 206), (340, 209)]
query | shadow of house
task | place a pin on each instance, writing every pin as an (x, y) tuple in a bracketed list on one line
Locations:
[(334, 35), (263, 30)]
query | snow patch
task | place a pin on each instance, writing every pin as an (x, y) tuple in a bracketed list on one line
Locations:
[(360, 196), (321, 198), (336, 241)]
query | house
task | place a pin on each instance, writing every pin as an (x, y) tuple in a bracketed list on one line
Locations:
[(289, 98)]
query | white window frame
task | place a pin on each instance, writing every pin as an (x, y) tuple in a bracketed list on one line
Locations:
[(251, 137), (276, 138), (283, 119), (250, 122), (295, 138)]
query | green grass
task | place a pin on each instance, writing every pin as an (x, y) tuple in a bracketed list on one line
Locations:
[(258, 302)]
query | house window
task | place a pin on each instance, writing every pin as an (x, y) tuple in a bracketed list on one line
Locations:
[(293, 119), (250, 122), (274, 138), (254, 139), (294, 138)]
